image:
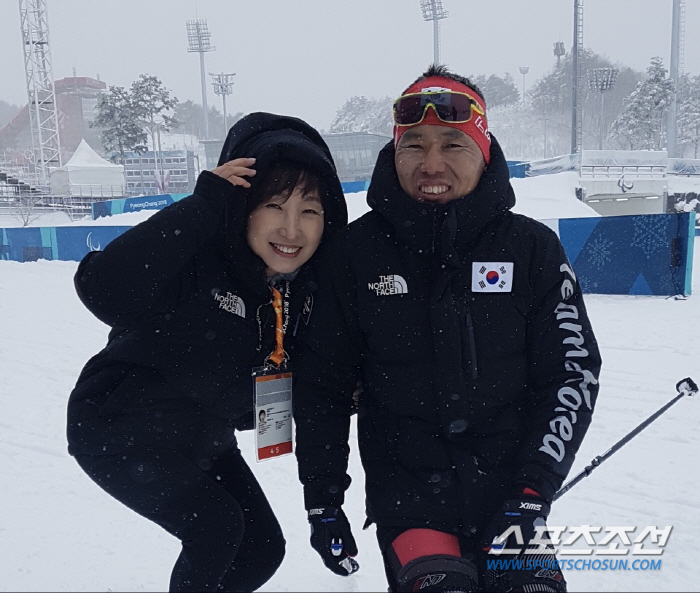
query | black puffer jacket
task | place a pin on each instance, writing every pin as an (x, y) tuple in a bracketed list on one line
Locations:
[(190, 308), (470, 389)]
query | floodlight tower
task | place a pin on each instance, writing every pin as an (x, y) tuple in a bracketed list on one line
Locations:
[(576, 103), (199, 41), (433, 11), (524, 70), (559, 51), (602, 80), (223, 85), (41, 94), (675, 72)]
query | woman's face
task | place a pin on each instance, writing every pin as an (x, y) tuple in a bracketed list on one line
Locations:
[(285, 234)]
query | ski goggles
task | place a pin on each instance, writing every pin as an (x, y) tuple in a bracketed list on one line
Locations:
[(450, 107)]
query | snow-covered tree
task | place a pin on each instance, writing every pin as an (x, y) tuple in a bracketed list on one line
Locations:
[(153, 105), (361, 114), (190, 118), (641, 125), (689, 113), (118, 120), (498, 91)]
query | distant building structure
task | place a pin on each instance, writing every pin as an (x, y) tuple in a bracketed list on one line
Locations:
[(76, 101), (143, 175), (355, 153)]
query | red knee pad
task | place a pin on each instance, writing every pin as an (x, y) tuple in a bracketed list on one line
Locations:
[(431, 561), (414, 543)]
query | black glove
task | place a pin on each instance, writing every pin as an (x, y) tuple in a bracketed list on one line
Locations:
[(526, 512), (332, 538), (538, 570)]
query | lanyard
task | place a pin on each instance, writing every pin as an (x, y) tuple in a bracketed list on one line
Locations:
[(281, 306)]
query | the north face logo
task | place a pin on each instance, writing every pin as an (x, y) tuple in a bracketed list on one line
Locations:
[(391, 284), (231, 303)]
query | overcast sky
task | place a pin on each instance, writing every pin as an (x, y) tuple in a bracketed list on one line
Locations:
[(306, 57)]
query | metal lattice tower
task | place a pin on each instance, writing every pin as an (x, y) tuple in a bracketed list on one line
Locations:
[(433, 11), (43, 117), (577, 103), (199, 41)]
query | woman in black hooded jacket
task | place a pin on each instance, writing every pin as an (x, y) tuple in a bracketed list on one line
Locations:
[(188, 295)]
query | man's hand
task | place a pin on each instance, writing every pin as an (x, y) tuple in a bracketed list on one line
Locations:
[(526, 512), (235, 171), (332, 538)]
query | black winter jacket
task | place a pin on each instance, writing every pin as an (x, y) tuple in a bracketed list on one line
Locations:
[(468, 330), (190, 308)]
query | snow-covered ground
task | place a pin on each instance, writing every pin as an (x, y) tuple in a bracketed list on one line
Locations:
[(60, 532)]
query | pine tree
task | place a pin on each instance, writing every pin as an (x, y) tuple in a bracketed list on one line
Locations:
[(498, 91), (641, 123), (689, 113), (153, 103), (117, 117), (360, 114)]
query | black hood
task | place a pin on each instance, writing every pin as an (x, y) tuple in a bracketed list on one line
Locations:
[(426, 228), (268, 138)]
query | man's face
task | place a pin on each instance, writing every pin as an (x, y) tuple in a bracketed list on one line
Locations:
[(286, 233), (438, 164)]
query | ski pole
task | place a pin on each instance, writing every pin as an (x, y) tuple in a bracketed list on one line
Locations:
[(684, 387)]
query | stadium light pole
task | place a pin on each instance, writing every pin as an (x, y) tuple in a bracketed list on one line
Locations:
[(199, 41), (524, 70), (432, 11), (601, 80), (223, 85)]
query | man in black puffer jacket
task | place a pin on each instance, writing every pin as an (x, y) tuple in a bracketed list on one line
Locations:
[(467, 328)]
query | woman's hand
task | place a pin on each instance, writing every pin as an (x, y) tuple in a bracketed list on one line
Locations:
[(235, 171)]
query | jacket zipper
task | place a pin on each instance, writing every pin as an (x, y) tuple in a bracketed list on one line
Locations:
[(472, 345)]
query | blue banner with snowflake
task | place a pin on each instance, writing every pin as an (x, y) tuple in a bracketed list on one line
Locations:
[(644, 255)]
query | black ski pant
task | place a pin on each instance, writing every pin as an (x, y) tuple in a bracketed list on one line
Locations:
[(231, 540)]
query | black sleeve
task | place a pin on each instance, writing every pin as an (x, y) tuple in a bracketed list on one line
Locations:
[(564, 362), (326, 371), (140, 272)]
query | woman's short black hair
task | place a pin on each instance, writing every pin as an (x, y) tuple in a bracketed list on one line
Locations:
[(281, 179)]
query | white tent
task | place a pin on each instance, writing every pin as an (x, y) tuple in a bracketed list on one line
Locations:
[(88, 174)]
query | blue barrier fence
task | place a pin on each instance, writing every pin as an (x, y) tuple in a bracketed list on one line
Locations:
[(648, 254), (122, 205), (642, 255)]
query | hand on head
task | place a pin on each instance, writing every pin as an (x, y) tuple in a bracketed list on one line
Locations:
[(236, 170)]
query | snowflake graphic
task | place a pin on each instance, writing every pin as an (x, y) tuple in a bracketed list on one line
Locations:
[(586, 284), (649, 234), (599, 252)]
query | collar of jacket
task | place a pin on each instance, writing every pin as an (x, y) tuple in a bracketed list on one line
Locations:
[(443, 229)]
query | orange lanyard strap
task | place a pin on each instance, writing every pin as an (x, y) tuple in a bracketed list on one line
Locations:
[(278, 355)]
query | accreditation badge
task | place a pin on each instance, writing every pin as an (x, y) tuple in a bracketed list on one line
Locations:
[(273, 412)]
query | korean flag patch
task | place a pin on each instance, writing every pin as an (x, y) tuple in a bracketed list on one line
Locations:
[(492, 276)]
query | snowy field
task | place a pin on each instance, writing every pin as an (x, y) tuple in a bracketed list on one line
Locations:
[(60, 532)]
